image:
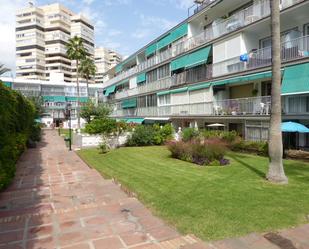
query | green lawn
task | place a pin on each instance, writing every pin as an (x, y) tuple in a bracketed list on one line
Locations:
[(210, 202)]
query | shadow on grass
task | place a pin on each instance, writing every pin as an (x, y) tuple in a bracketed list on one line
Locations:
[(238, 159)]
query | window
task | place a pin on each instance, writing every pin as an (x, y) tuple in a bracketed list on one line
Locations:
[(286, 36), (165, 100), (152, 100), (298, 104), (266, 88), (306, 29)]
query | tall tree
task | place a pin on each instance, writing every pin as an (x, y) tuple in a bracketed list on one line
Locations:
[(276, 171), (3, 69), (76, 51), (87, 69)]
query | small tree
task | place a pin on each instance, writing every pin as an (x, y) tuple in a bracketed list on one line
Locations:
[(90, 110), (76, 51)]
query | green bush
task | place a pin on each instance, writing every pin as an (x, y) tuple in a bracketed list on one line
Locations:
[(101, 126), (189, 134), (227, 136), (259, 148), (17, 116), (145, 135), (202, 153)]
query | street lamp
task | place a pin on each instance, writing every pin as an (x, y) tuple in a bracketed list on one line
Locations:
[(68, 110)]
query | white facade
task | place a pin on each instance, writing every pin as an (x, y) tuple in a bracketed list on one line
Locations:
[(105, 59), (41, 37)]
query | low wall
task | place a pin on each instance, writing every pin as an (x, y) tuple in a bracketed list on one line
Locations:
[(90, 141)]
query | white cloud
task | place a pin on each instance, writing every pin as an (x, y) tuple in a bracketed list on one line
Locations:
[(156, 22), (88, 2), (116, 2), (7, 27), (141, 33)]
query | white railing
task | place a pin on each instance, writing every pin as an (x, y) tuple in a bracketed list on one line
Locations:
[(290, 50), (220, 27), (230, 107)]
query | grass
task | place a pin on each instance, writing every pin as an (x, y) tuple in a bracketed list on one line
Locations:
[(210, 202)]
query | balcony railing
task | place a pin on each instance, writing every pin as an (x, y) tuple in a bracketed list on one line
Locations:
[(290, 50), (230, 107), (220, 27), (161, 84)]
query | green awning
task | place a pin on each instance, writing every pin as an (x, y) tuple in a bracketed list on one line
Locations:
[(118, 68), (7, 84), (199, 86), (174, 35), (179, 32), (296, 79), (246, 78), (164, 41), (129, 103), (163, 93), (109, 90), (180, 90), (141, 78), (191, 60), (151, 49), (74, 99), (135, 120), (54, 99), (122, 82)]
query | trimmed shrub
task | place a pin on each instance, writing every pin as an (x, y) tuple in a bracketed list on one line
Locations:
[(259, 148), (189, 134), (208, 152), (17, 116), (145, 135)]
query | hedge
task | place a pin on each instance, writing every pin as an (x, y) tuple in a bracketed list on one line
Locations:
[(17, 116)]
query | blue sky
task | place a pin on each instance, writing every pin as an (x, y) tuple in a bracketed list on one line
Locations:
[(123, 25)]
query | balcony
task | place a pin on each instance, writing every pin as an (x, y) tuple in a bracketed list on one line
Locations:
[(219, 27), (257, 106), (290, 50)]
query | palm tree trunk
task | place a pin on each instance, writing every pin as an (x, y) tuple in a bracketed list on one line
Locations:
[(78, 95), (276, 171)]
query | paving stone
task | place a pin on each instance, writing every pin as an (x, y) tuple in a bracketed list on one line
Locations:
[(64, 204), (108, 243)]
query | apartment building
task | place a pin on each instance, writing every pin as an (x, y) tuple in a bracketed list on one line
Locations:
[(55, 95), (215, 67), (41, 36), (105, 59)]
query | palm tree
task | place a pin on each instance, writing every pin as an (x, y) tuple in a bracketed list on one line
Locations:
[(87, 69), (276, 171), (3, 69), (76, 51)]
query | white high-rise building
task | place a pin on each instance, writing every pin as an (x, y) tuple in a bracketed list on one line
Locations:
[(41, 37), (105, 59)]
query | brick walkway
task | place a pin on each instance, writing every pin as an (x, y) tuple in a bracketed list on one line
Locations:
[(56, 201)]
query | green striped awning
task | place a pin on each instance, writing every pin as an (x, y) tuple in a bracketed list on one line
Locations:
[(129, 103), (163, 93), (151, 49), (135, 120), (54, 99), (74, 99), (174, 35), (191, 60), (199, 86), (141, 78), (296, 79), (180, 90), (122, 82), (246, 78), (7, 84), (109, 90), (118, 68)]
